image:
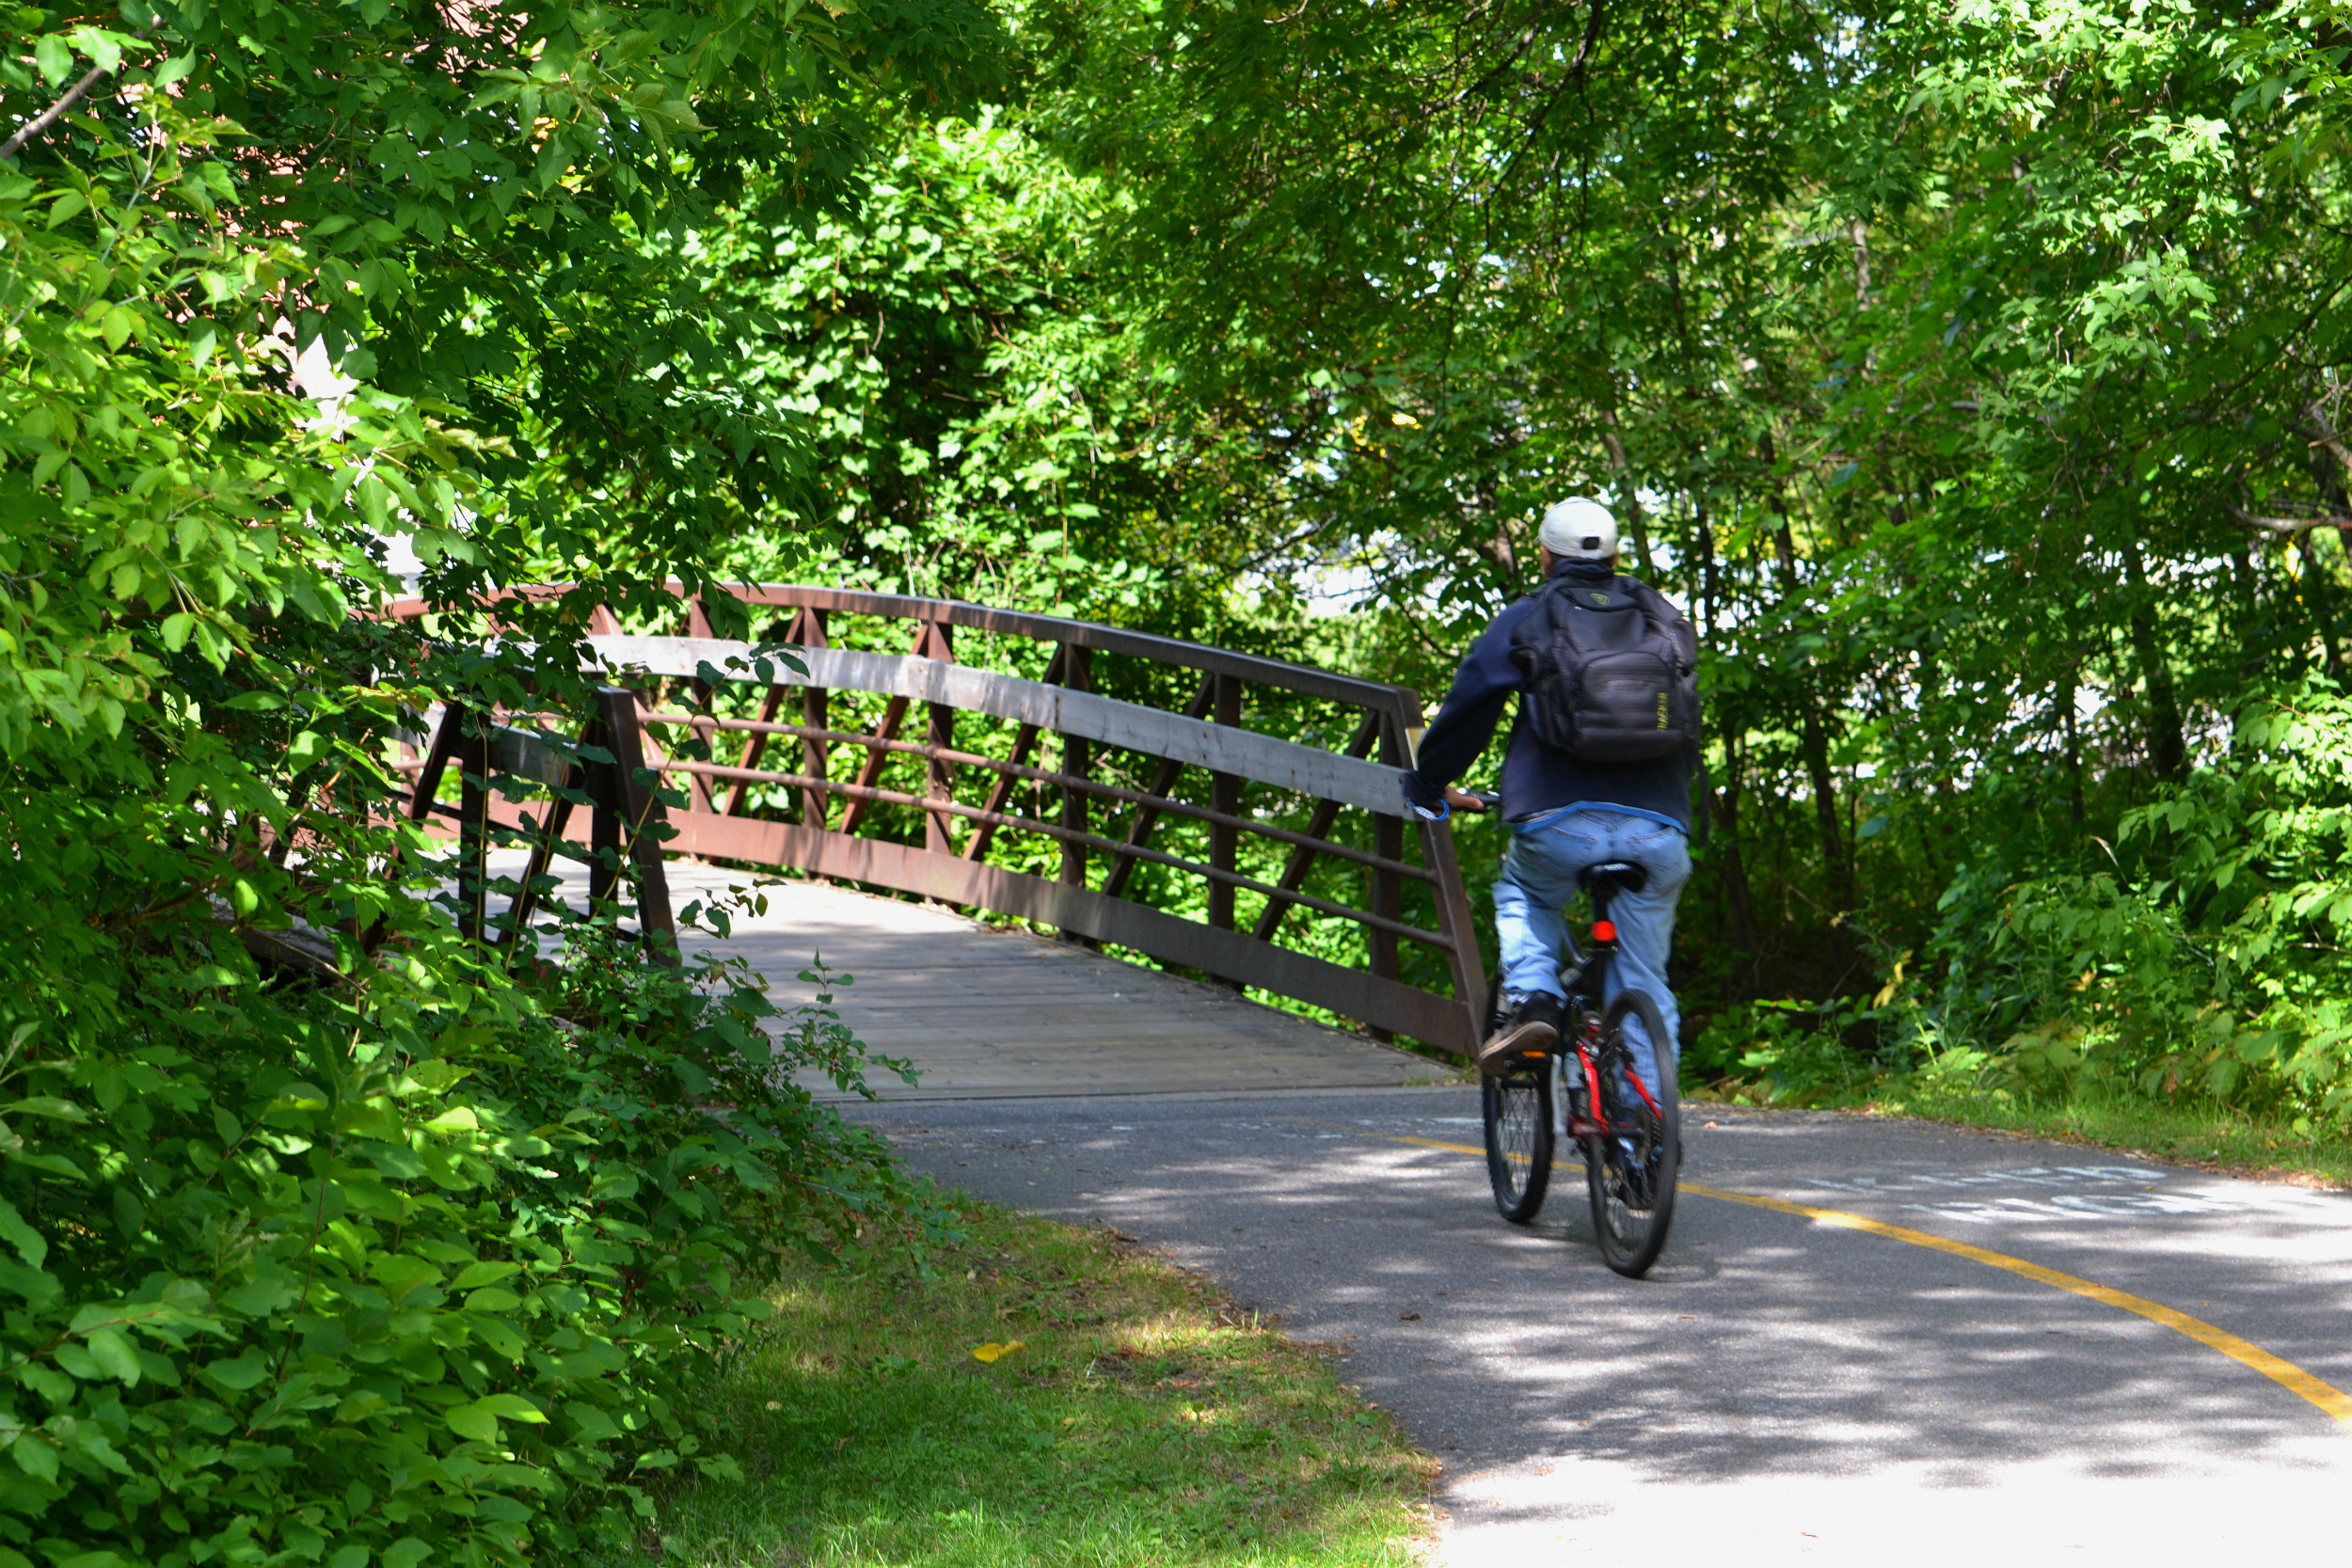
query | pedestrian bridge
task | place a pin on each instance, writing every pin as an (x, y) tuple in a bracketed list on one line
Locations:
[(1193, 827)]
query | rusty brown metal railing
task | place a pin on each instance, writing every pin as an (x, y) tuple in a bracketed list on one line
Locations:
[(1116, 778)]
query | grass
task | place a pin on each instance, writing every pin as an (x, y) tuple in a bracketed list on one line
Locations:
[(2192, 1132), (2184, 1132), (1142, 1419)]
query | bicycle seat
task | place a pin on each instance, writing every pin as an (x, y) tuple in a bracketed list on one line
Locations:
[(1614, 877)]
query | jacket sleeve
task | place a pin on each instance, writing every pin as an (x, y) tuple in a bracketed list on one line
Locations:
[(1482, 688)]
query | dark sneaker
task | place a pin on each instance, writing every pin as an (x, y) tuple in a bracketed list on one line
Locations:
[(1532, 1030)]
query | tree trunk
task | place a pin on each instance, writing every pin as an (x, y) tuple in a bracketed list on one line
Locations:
[(2329, 460), (1835, 867), (1629, 495), (1836, 863), (1723, 853), (2319, 593), (2167, 750), (1723, 806), (1708, 585), (2067, 699)]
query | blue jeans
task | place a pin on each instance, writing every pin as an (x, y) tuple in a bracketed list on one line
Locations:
[(1540, 874)]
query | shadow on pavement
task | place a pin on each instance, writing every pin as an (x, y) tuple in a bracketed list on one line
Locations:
[(1763, 1346)]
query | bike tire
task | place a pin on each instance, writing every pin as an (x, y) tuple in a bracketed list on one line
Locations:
[(1519, 1139), (1519, 1119), (1633, 1196)]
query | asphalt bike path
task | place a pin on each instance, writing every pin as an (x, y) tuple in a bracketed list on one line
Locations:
[(1868, 1338), (1868, 1341)]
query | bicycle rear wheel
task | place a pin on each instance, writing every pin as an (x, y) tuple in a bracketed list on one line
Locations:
[(1519, 1128), (1519, 1139), (1630, 1175)]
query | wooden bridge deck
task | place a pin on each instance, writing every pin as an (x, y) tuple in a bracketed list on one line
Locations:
[(989, 1013)]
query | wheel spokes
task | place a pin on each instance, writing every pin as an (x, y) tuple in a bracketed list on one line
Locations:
[(1520, 1099)]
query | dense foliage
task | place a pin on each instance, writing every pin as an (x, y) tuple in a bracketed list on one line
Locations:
[(1974, 371), (332, 1237), (383, 1275)]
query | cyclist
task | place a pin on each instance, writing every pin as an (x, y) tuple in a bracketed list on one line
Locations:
[(1584, 803)]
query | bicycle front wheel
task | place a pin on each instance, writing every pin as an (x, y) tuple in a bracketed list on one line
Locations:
[(1629, 1174), (1519, 1139)]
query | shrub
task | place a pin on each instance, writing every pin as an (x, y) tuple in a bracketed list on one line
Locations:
[(399, 1271), (389, 1263), (1783, 1053), (2207, 957)]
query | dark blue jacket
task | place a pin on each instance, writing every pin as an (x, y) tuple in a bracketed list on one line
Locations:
[(1535, 778)]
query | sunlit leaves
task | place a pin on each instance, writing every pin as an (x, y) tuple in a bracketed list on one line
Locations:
[(273, 295)]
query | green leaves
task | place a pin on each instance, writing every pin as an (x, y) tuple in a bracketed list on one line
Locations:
[(484, 1272), (374, 1325), (54, 58), (211, 427), (29, 1244), (239, 1376), (112, 1355), (479, 1419)]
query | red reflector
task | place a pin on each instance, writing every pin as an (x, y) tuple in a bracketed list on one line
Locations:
[(1604, 930)]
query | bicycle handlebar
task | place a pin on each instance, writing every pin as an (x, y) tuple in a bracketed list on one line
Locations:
[(1486, 800)]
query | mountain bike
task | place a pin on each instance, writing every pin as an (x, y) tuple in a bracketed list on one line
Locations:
[(1629, 1132)]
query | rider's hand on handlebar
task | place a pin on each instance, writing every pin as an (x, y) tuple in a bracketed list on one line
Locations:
[(1463, 799)]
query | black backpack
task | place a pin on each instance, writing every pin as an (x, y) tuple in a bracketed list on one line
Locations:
[(1607, 670)]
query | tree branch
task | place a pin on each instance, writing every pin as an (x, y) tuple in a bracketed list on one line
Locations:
[(2285, 527), (2315, 420), (48, 117), (1592, 35)]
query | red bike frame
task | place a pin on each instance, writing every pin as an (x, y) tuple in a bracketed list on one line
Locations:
[(1591, 1124)]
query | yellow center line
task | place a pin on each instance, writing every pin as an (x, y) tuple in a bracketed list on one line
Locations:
[(2283, 1373)]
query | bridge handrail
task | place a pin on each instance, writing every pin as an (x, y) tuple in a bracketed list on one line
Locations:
[(1207, 736), (1131, 727), (1262, 669)]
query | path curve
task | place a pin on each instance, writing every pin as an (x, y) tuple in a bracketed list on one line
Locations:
[(1822, 1366), (1869, 1341)]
